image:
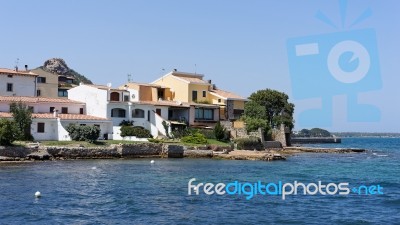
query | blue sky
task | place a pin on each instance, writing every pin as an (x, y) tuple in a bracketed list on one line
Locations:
[(240, 45)]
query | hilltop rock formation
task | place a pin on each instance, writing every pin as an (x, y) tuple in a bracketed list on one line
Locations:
[(59, 66)]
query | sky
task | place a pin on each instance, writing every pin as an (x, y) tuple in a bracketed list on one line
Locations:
[(242, 46)]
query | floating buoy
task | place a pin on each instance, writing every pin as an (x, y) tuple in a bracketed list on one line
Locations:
[(152, 161), (93, 168), (37, 194)]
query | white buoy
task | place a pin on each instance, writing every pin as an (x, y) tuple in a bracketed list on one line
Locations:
[(93, 168), (152, 161), (37, 194)]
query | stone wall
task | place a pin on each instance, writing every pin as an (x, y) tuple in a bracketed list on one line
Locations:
[(282, 135)]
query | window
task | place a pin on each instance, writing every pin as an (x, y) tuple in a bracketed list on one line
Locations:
[(81, 111), (30, 108), (117, 112), (41, 79), (148, 115), (10, 76), (64, 110), (82, 124), (126, 98), (9, 87), (138, 113), (160, 93), (62, 93), (40, 127), (204, 114), (204, 94), (158, 111), (194, 95), (38, 93), (52, 109), (114, 96), (219, 100)]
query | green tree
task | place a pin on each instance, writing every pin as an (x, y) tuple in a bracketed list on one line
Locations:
[(219, 131), (255, 117), (22, 115), (276, 105), (318, 132), (8, 132)]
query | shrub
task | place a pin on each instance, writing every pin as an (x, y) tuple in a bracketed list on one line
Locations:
[(219, 131), (138, 132), (195, 138), (126, 123), (180, 133), (9, 132), (249, 143), (83, 133), (209, 134)]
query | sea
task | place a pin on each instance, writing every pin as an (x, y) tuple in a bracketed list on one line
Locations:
[(136, 191)]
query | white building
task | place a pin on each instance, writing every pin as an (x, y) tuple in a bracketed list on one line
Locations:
[(17, 83), (51, 116), (123, 104)]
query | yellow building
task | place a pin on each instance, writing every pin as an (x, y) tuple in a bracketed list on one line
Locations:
[(203, 95), (52, 85)]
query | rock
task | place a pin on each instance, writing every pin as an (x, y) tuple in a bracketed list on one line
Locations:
[(57, 66), (173, 151)]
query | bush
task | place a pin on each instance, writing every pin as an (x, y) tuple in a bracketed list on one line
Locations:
[(195, 138), (138, 132), (126, 123), (9, 132), (83, 133), (219, 132), (180, 133), (249, 143)]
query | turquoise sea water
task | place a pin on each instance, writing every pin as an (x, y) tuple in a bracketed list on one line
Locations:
[(137, 192)]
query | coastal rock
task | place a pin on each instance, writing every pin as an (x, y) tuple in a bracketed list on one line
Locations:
[(173, 151), (83, 153), (140, 150), (198, 153)]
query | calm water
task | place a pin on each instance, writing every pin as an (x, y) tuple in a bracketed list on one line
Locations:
[(137, 192)]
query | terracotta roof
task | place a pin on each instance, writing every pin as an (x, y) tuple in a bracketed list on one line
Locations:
[(129, 85), (191, 79), (30, 99), (104, 87), (61, 116), (165, 103), (5, 115), (78, 117), (20, 72), (226, 94)]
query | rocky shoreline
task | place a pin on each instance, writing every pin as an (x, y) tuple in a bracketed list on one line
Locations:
[(154, 150)]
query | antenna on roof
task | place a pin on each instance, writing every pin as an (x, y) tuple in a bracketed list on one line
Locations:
[(16, 64), (129, 77)]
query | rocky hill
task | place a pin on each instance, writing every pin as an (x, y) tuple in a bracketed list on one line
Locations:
[(59, 67)]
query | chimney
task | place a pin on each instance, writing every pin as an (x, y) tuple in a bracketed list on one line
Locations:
[(16, 68), (55, 113), (175, 70), (26, 67), (209, 81), (214, 87)]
